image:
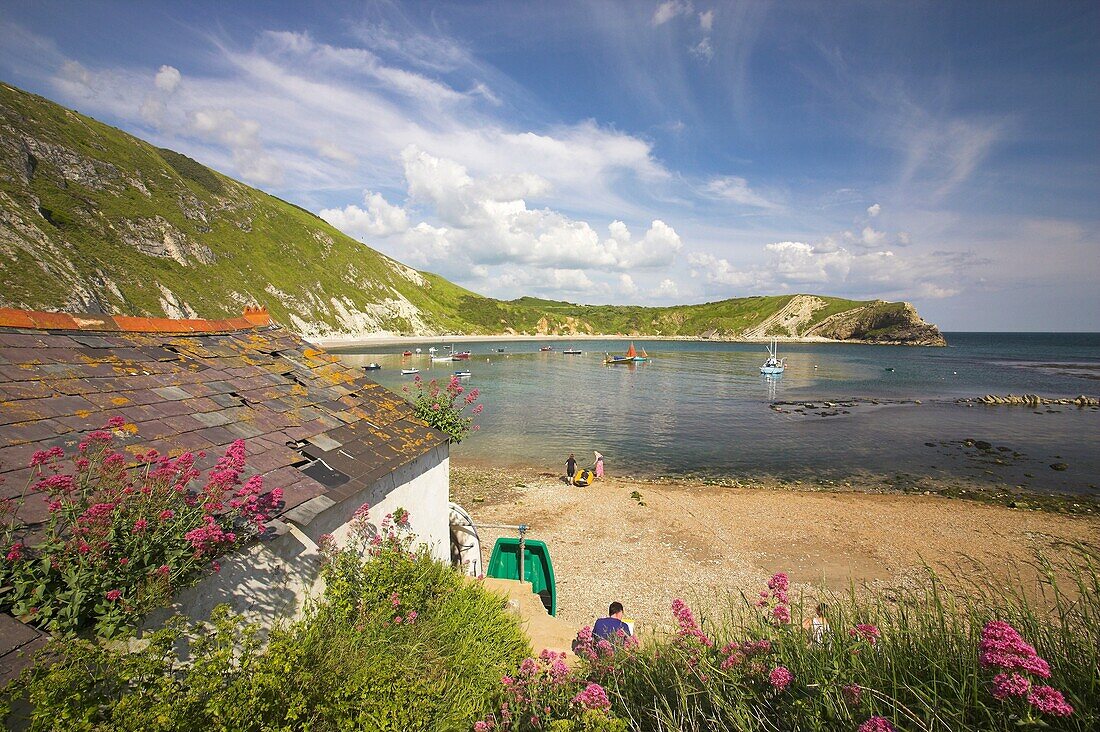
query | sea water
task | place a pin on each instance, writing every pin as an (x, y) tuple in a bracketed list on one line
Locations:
[(702, 409)]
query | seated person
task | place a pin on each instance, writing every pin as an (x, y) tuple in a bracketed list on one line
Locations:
[(608, 628)]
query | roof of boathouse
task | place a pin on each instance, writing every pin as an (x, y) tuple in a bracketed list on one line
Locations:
[(312, 426)]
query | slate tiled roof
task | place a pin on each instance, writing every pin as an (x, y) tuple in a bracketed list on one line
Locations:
[(191, 385)]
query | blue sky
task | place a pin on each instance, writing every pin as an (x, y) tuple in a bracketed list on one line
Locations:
[(648, 152)]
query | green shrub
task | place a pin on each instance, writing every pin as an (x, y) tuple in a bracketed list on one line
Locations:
[(348, 665), (119, 538), (442, 408)]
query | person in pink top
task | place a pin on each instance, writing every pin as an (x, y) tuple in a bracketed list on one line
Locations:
[(598, 470)]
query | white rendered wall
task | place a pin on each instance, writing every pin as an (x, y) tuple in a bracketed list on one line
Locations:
[(271, 579)]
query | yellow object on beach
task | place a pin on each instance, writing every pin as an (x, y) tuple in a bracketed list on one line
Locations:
[(584, 478)]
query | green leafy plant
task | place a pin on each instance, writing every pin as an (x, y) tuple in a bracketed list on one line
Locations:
[(444, 407), (119, 539), (348, 665)]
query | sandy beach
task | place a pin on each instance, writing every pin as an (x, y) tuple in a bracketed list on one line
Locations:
[(385, 339), (701, 542)]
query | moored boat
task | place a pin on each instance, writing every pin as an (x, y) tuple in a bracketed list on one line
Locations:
[(463, 373), (631, 356), (774, 365), (406, 353), (409, 372), (372, 366), (464, 355), (572, 351), (546, 348)]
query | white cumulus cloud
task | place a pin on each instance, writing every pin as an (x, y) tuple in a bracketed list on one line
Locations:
[(667, 289), (669, 9), (488, 221), (167, 78), (379, 218), (874, 210)]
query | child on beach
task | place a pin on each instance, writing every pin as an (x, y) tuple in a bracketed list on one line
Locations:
[(818, 626), (598, 470), (570, 467)]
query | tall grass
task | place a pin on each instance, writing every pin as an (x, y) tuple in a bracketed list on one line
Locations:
[(922, 674)]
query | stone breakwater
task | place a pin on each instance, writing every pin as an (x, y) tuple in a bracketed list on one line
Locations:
[(1030, 400)]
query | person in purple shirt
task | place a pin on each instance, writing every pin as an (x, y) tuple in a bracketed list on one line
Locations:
[(608, 628)]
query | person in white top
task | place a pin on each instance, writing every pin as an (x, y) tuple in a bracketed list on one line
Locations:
[(817, 625)]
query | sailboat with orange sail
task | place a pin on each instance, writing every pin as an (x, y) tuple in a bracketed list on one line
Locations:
[(630, 357)]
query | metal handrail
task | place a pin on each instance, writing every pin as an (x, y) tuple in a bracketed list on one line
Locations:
[(522, 529)]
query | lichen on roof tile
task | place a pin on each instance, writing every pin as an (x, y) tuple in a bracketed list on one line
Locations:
[(182, 388)]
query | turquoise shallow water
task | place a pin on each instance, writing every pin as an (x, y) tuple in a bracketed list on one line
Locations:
[(703, 409)]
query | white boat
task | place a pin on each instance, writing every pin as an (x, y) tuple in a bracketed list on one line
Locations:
[(409, 372), (433, 349), (572, 351), (463, 373), (774, 365), (442, 358)]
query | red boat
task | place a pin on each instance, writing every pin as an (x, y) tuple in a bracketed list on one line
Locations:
[(547, 348), (463, 356), (406, 353)]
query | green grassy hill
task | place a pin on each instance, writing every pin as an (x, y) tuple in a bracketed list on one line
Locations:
[(94, 219)]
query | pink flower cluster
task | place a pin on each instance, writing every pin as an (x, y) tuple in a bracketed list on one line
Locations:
[(119, 523), (866, 632), (1049, 700), (780, 678), (541, 689), (876, 724), (1009, 685), (1003, 649), (592, 697), (776, 598), (209, 538), (689, 628)]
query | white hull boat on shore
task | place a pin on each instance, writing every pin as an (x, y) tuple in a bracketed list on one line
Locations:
[(409, 372)]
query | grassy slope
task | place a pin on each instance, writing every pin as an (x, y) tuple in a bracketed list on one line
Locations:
[(266, 250)]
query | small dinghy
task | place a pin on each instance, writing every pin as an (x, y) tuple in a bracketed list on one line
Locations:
[(406, 353), (630, 357), (572, 351), (409, 372), (371, 367), (527, 560), (546, 348), (463, 373)]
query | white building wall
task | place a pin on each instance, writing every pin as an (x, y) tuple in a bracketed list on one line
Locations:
[(271, 580)]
